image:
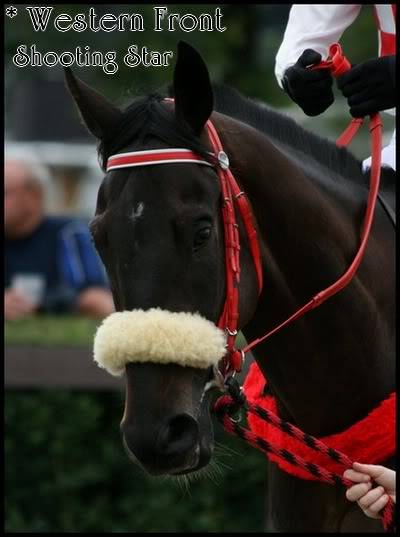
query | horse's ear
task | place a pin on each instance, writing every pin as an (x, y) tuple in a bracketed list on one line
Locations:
[(97, 113), (192, 88)]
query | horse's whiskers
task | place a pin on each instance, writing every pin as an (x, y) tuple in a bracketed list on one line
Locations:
[(223, 449), (184, 483)]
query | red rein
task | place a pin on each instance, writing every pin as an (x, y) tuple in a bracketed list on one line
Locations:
[(339, 64)]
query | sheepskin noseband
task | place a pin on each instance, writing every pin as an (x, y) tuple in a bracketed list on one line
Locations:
[(159, 336)]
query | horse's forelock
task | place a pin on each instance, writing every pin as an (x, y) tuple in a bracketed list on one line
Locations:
[(144, 119)]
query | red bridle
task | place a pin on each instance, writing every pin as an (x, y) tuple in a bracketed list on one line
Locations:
[(232, 196)]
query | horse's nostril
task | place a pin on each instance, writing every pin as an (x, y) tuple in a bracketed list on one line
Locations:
[(180, 435), (171, 447)]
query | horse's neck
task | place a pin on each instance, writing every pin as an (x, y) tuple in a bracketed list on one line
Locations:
[(327, 369)]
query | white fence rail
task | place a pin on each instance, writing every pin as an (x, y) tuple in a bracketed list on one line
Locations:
[(76, 174)]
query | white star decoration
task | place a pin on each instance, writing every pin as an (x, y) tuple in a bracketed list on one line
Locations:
[(11, 12)]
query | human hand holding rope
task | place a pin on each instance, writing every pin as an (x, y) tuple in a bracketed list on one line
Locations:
[(372, 499)]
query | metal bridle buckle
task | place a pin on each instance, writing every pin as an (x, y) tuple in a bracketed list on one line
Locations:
[(235, 391), (223, 160), (218, 381), (238, 417)]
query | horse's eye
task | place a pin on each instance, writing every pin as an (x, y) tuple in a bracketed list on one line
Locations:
[(201, 236)]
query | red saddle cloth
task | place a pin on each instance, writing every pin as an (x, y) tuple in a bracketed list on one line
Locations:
[(372, 440)]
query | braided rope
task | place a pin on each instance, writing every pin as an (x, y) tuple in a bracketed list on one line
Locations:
[(226, 406)]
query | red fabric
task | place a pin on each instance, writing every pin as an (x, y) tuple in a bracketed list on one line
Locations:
[(387, 39), (388, 44), (371, 440)]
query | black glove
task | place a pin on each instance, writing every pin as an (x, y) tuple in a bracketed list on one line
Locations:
[(370, 86), (311, 90)]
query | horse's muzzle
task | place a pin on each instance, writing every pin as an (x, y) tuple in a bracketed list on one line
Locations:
[(175, 449)]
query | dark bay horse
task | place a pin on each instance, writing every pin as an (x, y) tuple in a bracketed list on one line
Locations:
[(159, 233)]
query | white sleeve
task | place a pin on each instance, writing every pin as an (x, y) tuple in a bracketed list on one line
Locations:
[(314, 26)]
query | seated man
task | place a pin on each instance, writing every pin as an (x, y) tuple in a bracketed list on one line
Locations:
[(50, 263)]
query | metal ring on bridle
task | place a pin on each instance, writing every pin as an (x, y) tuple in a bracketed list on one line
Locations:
[(231, 332), (228, 365)]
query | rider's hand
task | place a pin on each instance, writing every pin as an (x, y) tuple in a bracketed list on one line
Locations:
[(371, 499), (370, 86), (310, 89)]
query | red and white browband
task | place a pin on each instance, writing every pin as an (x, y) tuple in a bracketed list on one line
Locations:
[(153, 156)]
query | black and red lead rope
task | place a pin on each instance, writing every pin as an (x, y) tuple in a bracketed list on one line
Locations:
[(228, 405)]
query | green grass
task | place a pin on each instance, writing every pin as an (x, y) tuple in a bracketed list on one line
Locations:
[(61, 330), (51, 331)]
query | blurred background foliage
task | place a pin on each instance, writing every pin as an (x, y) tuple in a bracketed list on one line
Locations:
[(66, 471)]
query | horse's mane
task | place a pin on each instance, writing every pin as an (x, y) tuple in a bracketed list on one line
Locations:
[(147, 117), (282, 129)]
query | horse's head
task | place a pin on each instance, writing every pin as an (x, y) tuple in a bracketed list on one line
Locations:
[(159, 232)]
